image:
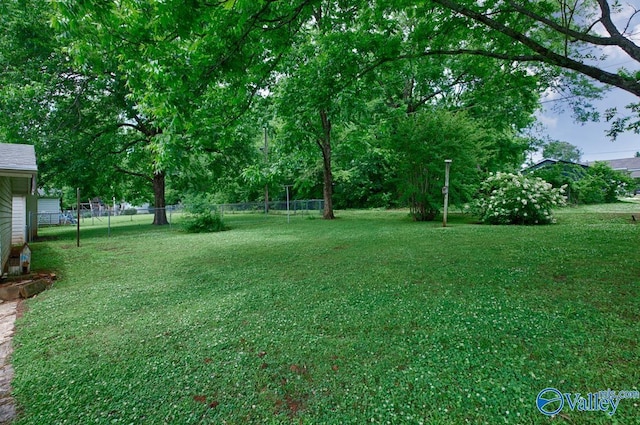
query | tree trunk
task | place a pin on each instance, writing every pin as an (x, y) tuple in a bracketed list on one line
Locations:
[(325, 146), (159, 211), (327, 190)]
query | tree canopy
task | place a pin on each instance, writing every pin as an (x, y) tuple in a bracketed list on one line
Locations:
[(137, 97), (563, 151)]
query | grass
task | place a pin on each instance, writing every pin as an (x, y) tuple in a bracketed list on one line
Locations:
[(367, 318)]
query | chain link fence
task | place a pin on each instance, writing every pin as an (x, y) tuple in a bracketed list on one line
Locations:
[(295, 207), (305, 207)]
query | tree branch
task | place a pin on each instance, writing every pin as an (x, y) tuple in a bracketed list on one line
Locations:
[(129, 146), (500, 56), (133, 173), (281, 21), (546, 55), (624, 43), (565, 30)]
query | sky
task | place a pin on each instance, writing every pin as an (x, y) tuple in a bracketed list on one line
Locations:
[(590, 137)]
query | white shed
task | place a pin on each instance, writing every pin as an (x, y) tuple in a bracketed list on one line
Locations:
[(48, 210)]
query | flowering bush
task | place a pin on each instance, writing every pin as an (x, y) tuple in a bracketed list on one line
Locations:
[(507, 198)]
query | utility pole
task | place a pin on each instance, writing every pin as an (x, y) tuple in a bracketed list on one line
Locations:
[(445, 191)]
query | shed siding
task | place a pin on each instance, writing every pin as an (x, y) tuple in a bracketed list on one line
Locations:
[(5, 221), (19, 220), (48, 211)]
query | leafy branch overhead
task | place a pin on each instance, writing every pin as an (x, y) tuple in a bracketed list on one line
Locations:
[(554, 35)]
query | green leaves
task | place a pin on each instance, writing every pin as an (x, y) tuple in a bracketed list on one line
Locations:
[(228, 4), (562, 151), (422, 142), (177, 76)]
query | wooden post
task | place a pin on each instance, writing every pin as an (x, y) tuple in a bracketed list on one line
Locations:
[(287, 188), (78, 219), (266, 161), (445, 191)]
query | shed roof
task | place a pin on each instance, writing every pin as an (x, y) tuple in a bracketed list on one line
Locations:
[(19, 158)]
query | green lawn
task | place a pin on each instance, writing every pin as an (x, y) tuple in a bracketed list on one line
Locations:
[(367, 318)]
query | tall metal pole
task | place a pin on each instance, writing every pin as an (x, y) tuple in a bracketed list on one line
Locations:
[(445, 191), (266, 161)]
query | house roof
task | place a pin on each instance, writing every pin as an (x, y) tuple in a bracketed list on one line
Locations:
[(632, 165), (18, 158), (548, 162)]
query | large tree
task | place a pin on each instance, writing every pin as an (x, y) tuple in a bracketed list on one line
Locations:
[(319, 81), (87, 130), (138, 88), (45, 102)]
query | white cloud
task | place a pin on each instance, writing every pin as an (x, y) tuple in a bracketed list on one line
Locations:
[(550, 122)]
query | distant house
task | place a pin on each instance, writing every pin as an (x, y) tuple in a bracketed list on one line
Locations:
[(629, 165), (18, 173), (558, 173), (549, 163)]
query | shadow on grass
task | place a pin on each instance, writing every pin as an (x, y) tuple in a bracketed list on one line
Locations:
[(47, 258), (69, 233)]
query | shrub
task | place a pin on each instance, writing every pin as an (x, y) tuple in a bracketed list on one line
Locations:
[(507, 198), (201, 215), (421, 142), (204, 222), (130, 211), (602, 184)]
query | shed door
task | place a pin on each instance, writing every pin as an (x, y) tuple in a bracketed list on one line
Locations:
[(19, 220)]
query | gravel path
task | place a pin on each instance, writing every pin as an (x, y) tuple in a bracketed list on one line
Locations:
[(7, 319)]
